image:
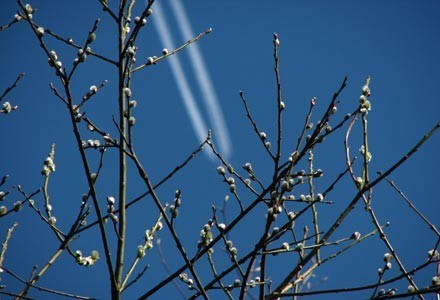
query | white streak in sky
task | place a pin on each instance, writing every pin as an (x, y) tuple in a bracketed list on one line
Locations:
[(214, 110), (182, 84)]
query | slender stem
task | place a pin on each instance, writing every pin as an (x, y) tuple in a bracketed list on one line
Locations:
[(172, 52), (254, 125), (410, 204), (167, 269), (5, 243), (44, 289), (314, 209), (122, 156), (280, 103), (13, 86), (43, 270), (214, 272)]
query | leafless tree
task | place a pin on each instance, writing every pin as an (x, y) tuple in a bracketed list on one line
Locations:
[(300, 247)]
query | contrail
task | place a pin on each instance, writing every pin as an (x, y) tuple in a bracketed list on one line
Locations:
[(204, 80), (188, 99)]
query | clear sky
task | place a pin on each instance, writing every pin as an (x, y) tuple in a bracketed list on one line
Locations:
[(397, 43)]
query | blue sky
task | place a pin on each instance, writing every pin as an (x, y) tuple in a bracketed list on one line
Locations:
[(395, 42)]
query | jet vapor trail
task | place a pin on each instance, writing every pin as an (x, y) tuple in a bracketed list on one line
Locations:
[(214, 110)]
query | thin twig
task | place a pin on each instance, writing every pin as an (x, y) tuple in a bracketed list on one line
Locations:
[(261, 135), (419, 213), (172, 52), (167, 269), (108, 10), (214, 272), (12, 86), (5, 243), (44, 289)]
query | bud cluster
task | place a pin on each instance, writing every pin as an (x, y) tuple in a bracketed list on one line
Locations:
[(367, 154), (7, 108), (150, 234), (206, 234), (174, 207), (49, 165), (229, 180), (184, 278), (86, 260), (231, 249), (111, 207), (365, 104)]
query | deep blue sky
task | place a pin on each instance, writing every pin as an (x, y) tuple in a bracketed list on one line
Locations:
[(397, 43)]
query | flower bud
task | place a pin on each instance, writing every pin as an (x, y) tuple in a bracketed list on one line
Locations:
[(110, 200), (222, 226), (91, 37), (284, 186), (93, 88), (40, 31), (82, 58), (221, 170), (131, 51), (95, 255), (387, 257), (355, 236), (17, 206), (28, 8), (248, 167), (127, 91), (366, 90), (132, 103), (432, 254), (282, 105), (131, 121), (140, 251)]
